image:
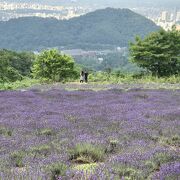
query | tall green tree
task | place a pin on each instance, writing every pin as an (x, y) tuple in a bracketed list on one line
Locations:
[(159, 52), (8, 72), (22, 61), (53, 65)]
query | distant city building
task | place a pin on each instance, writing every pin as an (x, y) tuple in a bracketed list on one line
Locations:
[(16, 10), (167, 19), (178, 16), (165, 16)]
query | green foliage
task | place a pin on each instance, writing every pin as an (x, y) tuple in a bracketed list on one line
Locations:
[(159, 52), (91, 63), (87, 153), (46, 132), (17, 158), (26, 82), (57, 169), (120, 77), (151, 166), (126, 172), (52, 65), (86, 167), (115, 61), (5, 131), (43, 150), (112, 146), (14, 65), (161, 158), (173, 141), (172, 177), (102, 29)]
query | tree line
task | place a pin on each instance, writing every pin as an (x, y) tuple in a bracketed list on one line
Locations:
[(158, 53)]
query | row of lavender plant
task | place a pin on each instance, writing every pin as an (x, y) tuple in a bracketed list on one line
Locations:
[(137, 132)]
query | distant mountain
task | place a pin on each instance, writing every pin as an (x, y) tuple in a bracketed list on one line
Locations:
[(101, 29)]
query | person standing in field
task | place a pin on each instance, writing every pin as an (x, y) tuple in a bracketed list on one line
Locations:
[(82, 78), (86, 76)]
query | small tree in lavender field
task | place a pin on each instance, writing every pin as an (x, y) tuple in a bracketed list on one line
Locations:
[(53, 65)]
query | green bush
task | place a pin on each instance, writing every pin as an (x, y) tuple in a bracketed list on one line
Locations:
[(161, 158), (17, 158), (127, 172), (112, 146), (87, 168), (174, 140), (151, 166), (46, 132), (26, 82), (57, 169), (41, 150), (5, 131), (87, 153)]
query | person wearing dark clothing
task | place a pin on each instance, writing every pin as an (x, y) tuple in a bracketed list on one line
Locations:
[(86, 76)]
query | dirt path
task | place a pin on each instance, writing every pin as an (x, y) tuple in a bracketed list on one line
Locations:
[(96, 86)]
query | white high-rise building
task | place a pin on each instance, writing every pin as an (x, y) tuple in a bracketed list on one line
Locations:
[(178, 16), (165, 16)]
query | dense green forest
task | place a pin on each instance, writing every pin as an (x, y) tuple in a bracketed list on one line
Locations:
[(116, 61), (102, 29)]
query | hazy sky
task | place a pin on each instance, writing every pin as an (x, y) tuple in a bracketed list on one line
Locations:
[(119, 3)]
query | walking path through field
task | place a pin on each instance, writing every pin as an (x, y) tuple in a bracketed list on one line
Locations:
[(96, 86)]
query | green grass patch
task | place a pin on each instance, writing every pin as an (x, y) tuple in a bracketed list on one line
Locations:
[(161, 158), (17, 158), (46, 132), (104, 78), (57, 170), (112, 146), (86, 167), (127, 172), (42, 150), (5, 131), (25, 83), (87, 153), (173, 141)]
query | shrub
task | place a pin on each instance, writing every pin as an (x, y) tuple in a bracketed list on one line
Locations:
[(174, 141), (46, 132), (41, 150), (126, 172), (17, 158), (112, 146), (57, 169), (86, 167), (6, 132), (151, 166), (87, 153), (161, 158)]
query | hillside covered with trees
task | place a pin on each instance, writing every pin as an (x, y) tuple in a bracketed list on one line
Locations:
[(102, 29)]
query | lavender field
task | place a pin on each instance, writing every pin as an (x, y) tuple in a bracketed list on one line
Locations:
[(109, 133)]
